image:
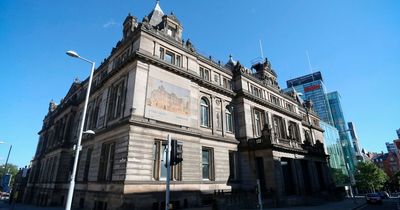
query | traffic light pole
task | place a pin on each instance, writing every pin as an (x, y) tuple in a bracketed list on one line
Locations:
[(168, 173)]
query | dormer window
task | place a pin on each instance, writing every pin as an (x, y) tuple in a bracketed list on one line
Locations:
[(171, 31)]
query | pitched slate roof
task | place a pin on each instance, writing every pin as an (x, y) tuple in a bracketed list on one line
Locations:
[(155, 16)]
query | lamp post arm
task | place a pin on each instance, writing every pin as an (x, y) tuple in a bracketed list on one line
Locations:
[(89, 61), (78, 145)]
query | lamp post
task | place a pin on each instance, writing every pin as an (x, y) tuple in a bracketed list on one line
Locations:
[(78, 145), (5, 166), (9, 151)]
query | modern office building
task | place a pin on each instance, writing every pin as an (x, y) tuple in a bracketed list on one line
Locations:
[(356, 142), (236, 127), (333, 147), (311, 86), (340, 123)]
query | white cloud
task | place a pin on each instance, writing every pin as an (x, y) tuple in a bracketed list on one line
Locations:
[(110, 23)]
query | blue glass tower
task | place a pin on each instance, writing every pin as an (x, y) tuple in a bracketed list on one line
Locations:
[(334, 147), (341, 125)]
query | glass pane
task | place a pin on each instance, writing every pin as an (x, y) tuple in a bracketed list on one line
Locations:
[(229, 126), (169, 57), (205, 158), (163, 162), (206, 163), (205, 172), (206, 117), (178, 60)]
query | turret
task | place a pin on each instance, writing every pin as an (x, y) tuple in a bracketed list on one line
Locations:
[(130, 24)]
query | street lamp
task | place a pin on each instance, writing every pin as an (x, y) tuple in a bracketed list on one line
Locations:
[(78, 145), (9, 151)]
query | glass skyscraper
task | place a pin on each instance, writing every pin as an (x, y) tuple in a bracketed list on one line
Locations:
[(312, 87), (333, 147), (341, 125)]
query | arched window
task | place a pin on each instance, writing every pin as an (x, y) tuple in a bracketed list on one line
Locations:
[(228, 119), (204, 112)]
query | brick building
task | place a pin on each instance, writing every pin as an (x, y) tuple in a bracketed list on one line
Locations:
[(388, 162)]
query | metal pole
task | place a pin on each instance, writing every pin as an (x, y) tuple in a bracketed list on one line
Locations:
[(168, 173), (78, 145), (5, 166)]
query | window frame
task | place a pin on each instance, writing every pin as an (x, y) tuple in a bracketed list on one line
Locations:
[(116, 99), (279, 127), (176, 58), (210, 164), (258, 122), (232, 165), (157, 153), (229, 126), (205, 73), (89, 152), (205, 109), (107, 160)]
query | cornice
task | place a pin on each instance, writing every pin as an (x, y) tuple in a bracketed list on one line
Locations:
[(195, 133), (312, 126), (194, 54), (185, 73), (268, 87), (268, 104)]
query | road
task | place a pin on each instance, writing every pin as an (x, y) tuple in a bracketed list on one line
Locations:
[(388, 204)]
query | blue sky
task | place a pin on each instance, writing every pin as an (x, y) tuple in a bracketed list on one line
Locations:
[(355, 44)]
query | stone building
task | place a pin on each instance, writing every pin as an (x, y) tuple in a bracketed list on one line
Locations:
[(235, 123)]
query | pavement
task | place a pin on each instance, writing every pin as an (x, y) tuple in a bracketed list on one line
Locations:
[(347, 204), (5, 206)]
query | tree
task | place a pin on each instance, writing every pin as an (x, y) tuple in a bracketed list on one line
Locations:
[(396, 179), (394, 183), (11, 168), (369, 177), (339, 178)]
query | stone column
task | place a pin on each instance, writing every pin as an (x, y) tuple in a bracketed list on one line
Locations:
[(300, 178), (314, 176), (295, 173), (279, 181)]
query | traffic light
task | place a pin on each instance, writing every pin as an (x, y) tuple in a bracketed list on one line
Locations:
[(176, 152)]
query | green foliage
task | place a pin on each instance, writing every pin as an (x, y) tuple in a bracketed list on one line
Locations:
[(394, 183), (11, 168), (339, 178), (369, 177)]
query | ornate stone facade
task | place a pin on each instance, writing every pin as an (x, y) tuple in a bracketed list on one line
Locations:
[(236, 127)]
